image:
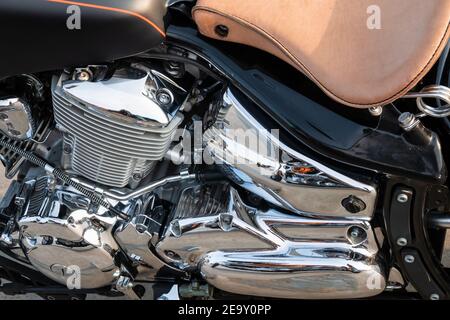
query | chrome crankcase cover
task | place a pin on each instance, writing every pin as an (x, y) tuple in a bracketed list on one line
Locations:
[(64, 239), (265, 252)]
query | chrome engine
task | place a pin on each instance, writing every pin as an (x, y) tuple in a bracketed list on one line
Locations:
[(287, 227), (326, 249), (114, 131)]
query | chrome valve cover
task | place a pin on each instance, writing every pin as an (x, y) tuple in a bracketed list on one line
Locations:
[(116, 129)]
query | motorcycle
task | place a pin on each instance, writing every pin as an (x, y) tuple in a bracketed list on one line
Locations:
[(209, 149)]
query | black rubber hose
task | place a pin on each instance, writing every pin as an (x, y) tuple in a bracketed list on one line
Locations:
[(63, 177)]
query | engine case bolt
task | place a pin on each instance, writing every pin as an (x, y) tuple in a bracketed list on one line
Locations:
[(402, 198), (47, 240), (402, 242), (226, 222), (353, 204), (67, 149), (409, 259), (165, 97), (356, 235), (176, 228), (83, 76), (172, 255)]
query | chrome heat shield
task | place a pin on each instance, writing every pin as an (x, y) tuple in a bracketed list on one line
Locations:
[(257, 160)]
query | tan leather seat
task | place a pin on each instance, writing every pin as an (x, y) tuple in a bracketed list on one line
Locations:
[(331, 42)]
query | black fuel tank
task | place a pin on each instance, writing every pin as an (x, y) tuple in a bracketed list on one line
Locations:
[(40, 35)]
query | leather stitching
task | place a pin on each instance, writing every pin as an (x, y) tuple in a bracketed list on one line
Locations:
[(292, 57)]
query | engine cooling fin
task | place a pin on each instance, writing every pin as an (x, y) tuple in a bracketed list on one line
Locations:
[(113, 135), (204, 201), (63, 177)]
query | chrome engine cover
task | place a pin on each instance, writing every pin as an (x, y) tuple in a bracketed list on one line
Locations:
[(63, 239), (243, 250), (116, 129), (256, 159)]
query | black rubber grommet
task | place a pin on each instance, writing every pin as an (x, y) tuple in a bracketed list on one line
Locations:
[(222, 31)]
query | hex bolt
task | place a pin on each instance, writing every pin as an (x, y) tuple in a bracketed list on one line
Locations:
[(176, 228), (141, 229), (226, 222), (164, 97), (402, 242), (409, 259), (402, 198), (353, 204), (434, 296), (47, 240), (67, 149), (172, 255), (356, 235), (408, 121), (376, 111), (83, 76), (227, 219)]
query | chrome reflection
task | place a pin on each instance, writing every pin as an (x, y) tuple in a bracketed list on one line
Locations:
[(16, 120), (446, 251), (257, 160), (64, 240), (242, 250)]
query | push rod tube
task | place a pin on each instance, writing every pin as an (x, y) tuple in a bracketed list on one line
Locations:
[(120, 196)]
